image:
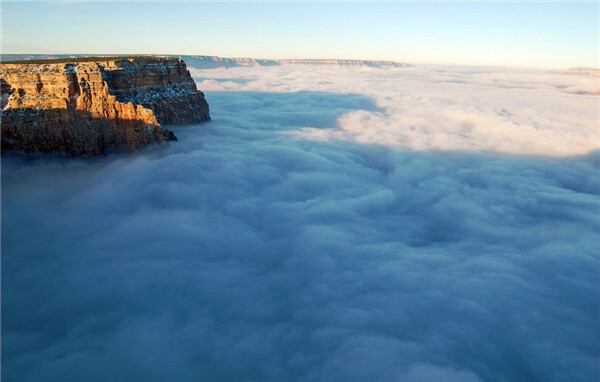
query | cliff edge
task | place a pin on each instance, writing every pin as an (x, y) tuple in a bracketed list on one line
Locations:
[(86, 106)]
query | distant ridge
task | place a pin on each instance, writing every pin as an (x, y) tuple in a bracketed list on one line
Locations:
[(579, 70), (215, 62), (592, 72)]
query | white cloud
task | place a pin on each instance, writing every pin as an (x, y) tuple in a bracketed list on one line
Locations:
[(506, 111)]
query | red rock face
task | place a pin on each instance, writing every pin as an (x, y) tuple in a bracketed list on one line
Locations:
[(165, 86), (87, 107)]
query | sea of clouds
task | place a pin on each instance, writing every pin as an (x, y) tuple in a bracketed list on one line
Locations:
[(499, 110), (329, 224)]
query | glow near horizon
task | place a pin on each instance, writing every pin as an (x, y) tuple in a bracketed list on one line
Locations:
[(543, 35)]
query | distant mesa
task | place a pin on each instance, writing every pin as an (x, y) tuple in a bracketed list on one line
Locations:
[(592, 72), (86, 106), (215, 62), (580, 70)]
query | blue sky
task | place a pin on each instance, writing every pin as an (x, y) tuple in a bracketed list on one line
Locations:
[(509, 34)]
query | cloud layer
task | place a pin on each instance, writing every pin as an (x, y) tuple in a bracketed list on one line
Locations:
[(508, 111), (247, 252)]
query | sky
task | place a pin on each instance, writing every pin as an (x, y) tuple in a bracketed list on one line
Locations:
[(415, 224), (520, 34)]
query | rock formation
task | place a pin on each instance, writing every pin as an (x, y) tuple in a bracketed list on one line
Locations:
[(86, 106)]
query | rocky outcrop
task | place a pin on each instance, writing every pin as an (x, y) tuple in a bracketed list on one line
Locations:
[(163, 85), (86, 106)]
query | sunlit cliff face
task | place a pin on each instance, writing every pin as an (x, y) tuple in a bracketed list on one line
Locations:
[(87, 106), (327, 224)]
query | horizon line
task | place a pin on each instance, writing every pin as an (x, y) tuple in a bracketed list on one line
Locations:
[(411, 63)]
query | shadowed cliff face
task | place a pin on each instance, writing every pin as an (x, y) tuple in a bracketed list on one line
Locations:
[(76, 132), (85, 108), (162, 85)]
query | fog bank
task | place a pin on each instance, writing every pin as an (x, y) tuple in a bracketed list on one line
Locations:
[(308, 234)]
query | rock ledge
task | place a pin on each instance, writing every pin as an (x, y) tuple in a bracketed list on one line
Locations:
[(87, 106)]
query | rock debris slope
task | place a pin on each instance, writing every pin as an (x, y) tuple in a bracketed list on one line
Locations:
[(86, 106)]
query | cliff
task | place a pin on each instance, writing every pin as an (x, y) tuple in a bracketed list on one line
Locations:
[(86, 106)]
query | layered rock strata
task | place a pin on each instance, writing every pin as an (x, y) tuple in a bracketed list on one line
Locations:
[(86, 106)]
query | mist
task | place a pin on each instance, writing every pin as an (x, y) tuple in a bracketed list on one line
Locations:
[(418, 224)]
